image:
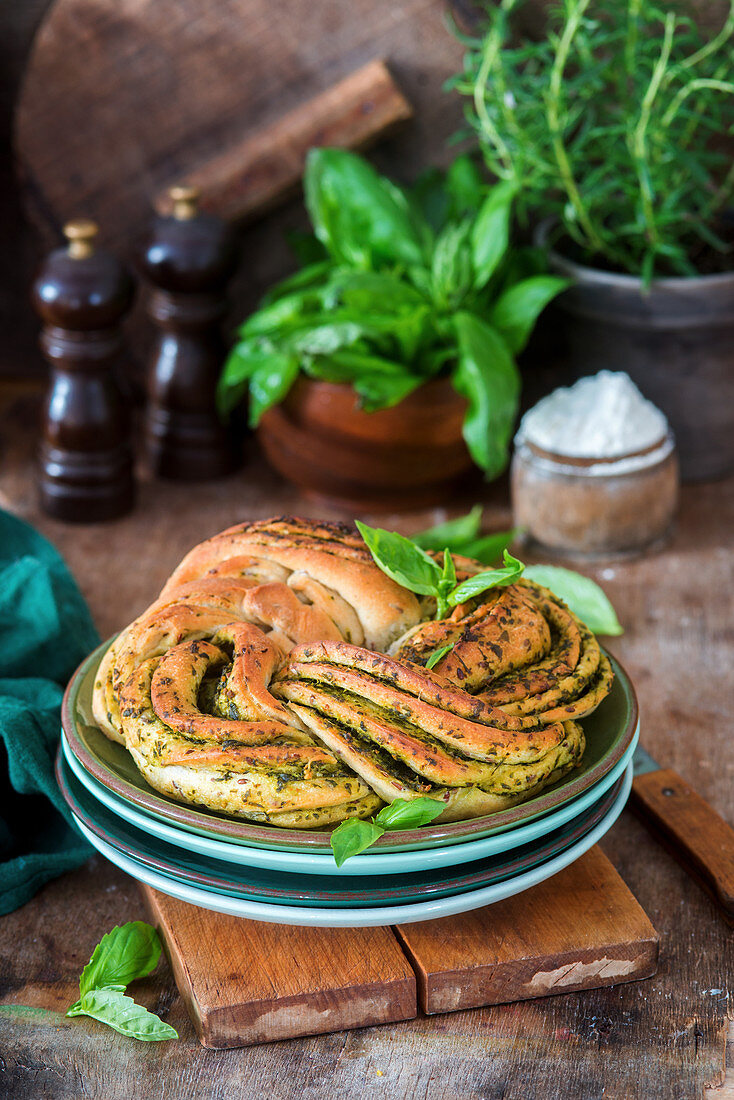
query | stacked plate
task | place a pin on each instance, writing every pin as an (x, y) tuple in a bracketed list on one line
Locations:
[(290, 877)]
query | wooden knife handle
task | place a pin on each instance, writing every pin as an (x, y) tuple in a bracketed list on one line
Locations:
[(694, 832)]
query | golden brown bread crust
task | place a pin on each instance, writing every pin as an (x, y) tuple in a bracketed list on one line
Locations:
[(259, 684)]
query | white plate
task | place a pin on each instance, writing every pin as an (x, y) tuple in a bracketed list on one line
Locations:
[(376, 863), (363, 918)]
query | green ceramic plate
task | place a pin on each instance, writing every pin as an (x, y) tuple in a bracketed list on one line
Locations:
[(331, 890), (609, 731)]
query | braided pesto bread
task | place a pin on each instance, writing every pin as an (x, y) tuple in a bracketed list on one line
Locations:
[(281, 677)]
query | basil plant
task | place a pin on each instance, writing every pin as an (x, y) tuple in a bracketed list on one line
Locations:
[(399, 286)]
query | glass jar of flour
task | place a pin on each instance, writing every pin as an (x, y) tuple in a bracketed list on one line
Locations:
[(595, 470)]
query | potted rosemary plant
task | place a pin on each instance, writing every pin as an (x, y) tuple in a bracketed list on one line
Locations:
[(615, 122), (385, 368)]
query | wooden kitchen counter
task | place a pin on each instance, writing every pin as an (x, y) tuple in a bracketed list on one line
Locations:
[(660, 1038)]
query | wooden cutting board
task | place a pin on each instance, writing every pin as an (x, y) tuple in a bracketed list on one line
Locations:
[(246, 982), (122, 97)]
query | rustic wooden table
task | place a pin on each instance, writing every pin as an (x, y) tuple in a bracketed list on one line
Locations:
[(661, 1038)]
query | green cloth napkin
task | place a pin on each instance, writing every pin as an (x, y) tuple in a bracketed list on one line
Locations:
[(45, 631)]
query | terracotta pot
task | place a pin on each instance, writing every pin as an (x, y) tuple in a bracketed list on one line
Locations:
[(410, 456)]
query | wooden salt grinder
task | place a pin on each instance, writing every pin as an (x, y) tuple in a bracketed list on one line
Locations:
[(81, 294), (188, 257)]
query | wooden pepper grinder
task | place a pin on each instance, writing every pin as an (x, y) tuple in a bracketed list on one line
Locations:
[(188, 257), (81, 294)]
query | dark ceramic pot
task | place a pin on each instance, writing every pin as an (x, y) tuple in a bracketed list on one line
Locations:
[(407, 457), (676, 342)]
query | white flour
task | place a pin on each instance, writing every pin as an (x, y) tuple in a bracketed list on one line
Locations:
[(604, 416)]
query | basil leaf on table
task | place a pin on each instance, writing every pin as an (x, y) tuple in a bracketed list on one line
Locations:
[(583, 596), (128, 952), (482, 582), (110, 1006), (439, 654), (488, 378), (401, 559), (515, 312), (352, 837)]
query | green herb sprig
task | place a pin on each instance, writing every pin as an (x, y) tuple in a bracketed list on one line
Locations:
[(411, 566), (582, 595), (354, 835), (400, 286), (128, 952), (612, 121)]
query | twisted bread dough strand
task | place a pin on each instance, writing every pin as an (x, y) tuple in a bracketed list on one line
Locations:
[(259, 683)]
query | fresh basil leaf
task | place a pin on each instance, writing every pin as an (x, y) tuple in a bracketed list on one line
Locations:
[(488, 378), (401, 559), (481, 582), (128, 952), (380, 392), (289, 312), (323, 339), (487, 548), (306, 247), (451, 266), (359, 216), (491, 231), (439, 654), (308, 278), (449, 569), (429, 197), (352, 837), (452, 533), (371, 292), (270, 383), (113, 1008), (583, 596), (465, 186), (410, 813), (515, 312), (378, 383)]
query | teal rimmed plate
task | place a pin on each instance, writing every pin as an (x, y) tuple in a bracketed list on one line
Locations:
[(367, 863), (609, 732), (292, 888), (368, 916)]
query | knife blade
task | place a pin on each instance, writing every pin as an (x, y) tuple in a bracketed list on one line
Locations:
[(685, 823)]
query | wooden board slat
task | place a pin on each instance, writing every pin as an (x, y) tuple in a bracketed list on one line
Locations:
[(254, 174), (148, 91), (581, 929), (246, 982)]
